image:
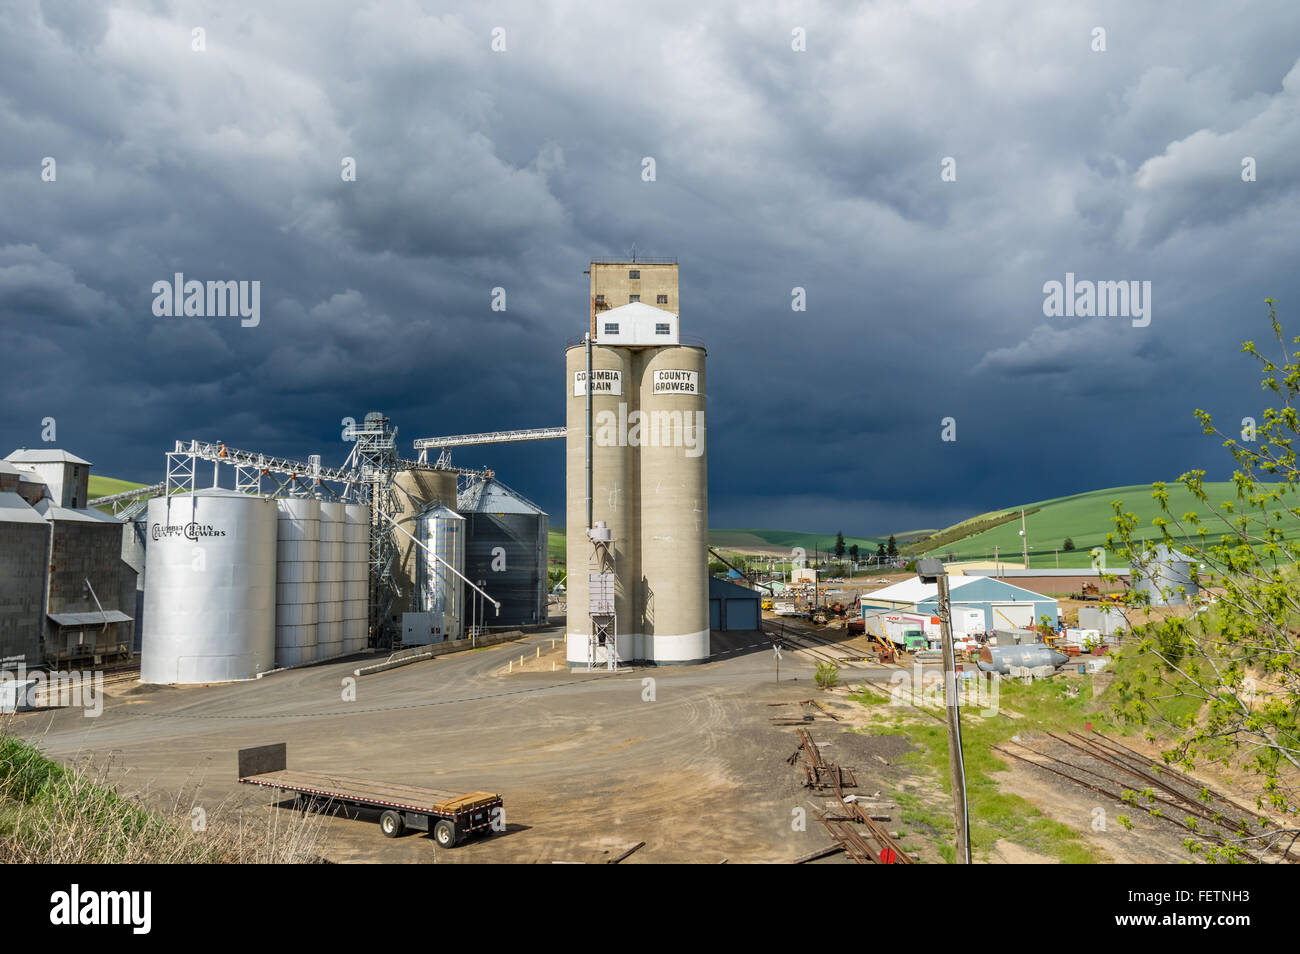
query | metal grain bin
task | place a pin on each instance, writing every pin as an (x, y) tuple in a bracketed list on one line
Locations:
[(210, 590), (438, 589), (296, 577), (506, 547), (1167, 579)]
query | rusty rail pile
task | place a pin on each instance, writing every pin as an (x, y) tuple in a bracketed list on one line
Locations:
[(818, 773), (856, 833), (1109, 768)]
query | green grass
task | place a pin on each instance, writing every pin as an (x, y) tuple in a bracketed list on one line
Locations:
[(1085, 518), (105, 486), (995, 814), (50, 813)]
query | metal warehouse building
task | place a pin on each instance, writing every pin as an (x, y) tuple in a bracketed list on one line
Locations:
[(1004, 606), (732, 607)]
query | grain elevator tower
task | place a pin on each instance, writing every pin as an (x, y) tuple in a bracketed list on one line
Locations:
[(644, 522)]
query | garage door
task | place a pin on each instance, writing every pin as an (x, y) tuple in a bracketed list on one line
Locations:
[(1013, 615), (742, 614), (715, 614)]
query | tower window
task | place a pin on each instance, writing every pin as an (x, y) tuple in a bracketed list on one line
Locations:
[(661, 299), (633, 297), (600, 299), (663, 328), (634, 273)]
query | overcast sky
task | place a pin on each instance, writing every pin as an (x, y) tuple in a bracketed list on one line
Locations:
[(775, 168)]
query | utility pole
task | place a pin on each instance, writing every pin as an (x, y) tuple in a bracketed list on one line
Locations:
[(1024, 539), (933, 570)]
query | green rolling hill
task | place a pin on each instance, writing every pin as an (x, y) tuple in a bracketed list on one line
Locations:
[(106, 486), (1085, 518)]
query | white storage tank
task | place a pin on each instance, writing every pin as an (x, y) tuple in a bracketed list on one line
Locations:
[(1168, 578), (329, 593), (356, 577), (296, 578), (210, 589), (439, 589)]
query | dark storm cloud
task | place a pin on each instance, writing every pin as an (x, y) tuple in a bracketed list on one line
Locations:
[(775, 169)]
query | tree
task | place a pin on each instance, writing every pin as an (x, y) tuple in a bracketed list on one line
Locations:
[(854, 552), (893, 546), (880, 550), (1238, 661), (839, 545), (1068, 545)]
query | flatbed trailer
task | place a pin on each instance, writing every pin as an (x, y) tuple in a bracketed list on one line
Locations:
[(451, 817)]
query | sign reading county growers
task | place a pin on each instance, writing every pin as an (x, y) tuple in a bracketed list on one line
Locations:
[(603, 382), (677, 382)]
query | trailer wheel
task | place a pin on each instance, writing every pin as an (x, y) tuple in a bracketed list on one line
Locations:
[(391, 824), (444, 833)]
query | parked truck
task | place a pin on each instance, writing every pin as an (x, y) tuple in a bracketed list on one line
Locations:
[(451, 817)]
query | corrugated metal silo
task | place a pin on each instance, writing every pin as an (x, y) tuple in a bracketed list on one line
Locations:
[(329, 614), (1167, 571), (135, 534), (674, 505), (210, 591), (416, 490), (356, 578), (442, 530), (506, 547), (296, 580), (614, 489)]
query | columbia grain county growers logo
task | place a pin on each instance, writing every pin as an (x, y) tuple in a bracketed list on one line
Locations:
[(603, 382), (669, 381), (190, 531)]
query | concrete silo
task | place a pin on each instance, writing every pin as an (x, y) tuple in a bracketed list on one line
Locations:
[(614, 395), (649, 485), (674, 505), (296, 580), (506, 548), (210, 591)]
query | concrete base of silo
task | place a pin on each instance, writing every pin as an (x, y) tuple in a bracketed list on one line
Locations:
[(642, 649)]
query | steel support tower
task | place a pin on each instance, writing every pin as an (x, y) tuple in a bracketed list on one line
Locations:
[(602, 621), (374, 457)]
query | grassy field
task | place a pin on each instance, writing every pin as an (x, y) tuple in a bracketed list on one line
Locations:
[(996, 813), (1084, 518), (104, 486)]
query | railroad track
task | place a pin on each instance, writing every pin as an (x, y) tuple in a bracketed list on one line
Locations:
[(812, 644), (1109, 768)]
